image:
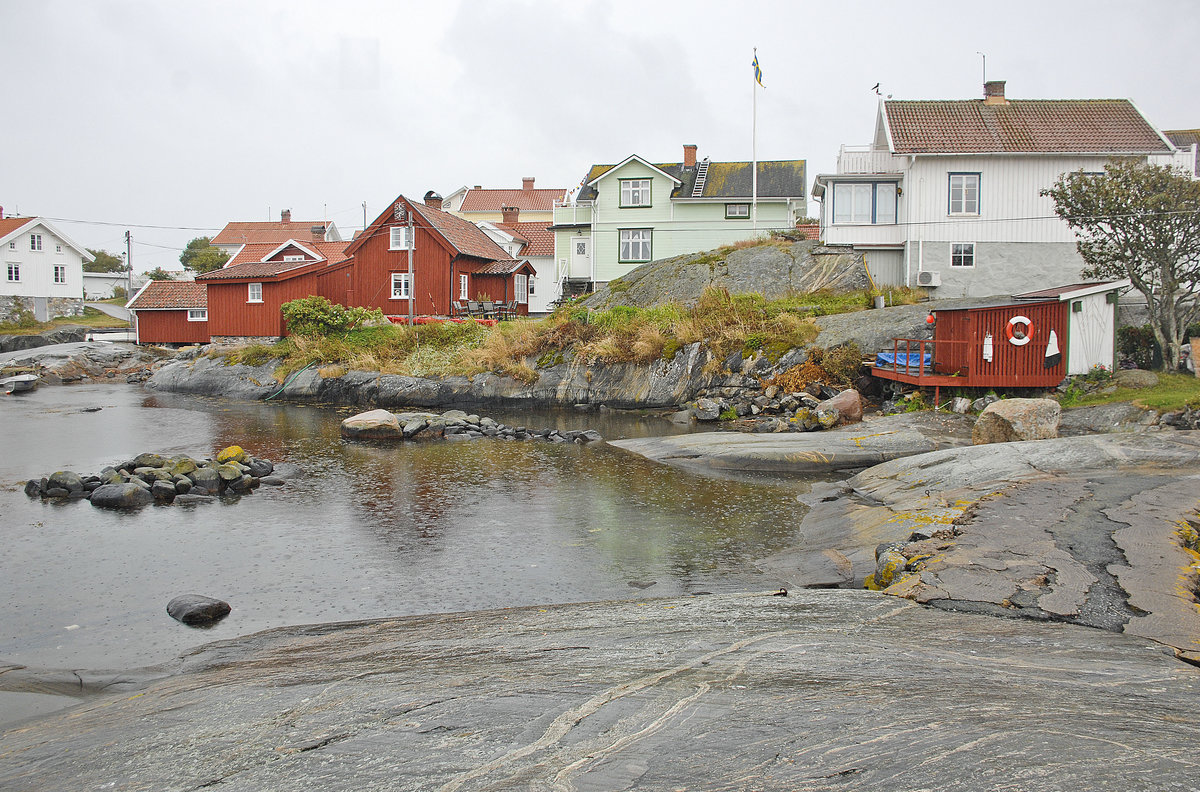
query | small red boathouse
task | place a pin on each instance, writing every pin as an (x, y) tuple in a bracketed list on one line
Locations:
[(1033, 340)]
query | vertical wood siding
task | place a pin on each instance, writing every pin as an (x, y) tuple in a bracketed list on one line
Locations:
[(374, 264), (963, 332), (170, 327)]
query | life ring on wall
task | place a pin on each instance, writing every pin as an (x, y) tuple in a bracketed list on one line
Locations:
[(1019, 336)]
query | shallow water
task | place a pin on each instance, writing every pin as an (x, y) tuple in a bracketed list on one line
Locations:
[(360, 530)]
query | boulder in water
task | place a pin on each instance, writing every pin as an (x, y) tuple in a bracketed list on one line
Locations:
[(196, 610)]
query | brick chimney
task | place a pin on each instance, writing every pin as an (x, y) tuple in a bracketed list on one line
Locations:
[(510, 213), (526, 182), (689, 155), (285, 216), (993, 93), (433, 199), (1, 212)]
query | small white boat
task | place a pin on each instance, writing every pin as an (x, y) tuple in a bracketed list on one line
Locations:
[(19, 383)]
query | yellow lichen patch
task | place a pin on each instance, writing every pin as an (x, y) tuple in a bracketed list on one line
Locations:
[(906, 587), (232, 453), (858, 440)]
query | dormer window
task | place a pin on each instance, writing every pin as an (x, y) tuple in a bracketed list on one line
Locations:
[(635, 192), (293, 257)]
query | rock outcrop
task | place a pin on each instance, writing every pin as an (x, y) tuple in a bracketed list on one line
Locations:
[(453, 425)]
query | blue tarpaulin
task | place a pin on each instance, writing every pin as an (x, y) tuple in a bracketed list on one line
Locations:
[(903, 359)]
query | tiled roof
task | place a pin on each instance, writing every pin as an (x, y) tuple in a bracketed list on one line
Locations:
[(507, 267), (1104, 126), (277, 232), (248, 263), (534, 200), (776, 179), (10, 224), (169, 295), (466, 237), (539, 240)]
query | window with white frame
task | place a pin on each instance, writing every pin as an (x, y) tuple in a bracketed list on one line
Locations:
[(197, 314), (399, 238), (293, 257), (521, 288), (864, 203), (254, 293), (58, 248), (60, 273), (401, 286), (737, 211), (464, 283), (635, 192), (964, 193), (35, 241), (12, 245), (635, 245), (14, 272), (962, 254), (532, 281)]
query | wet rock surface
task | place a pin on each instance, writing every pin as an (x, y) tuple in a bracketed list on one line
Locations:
[(86, 361), (1082, 530), (813, 691), (197, 610)]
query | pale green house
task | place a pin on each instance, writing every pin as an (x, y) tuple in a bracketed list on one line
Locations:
[(637, 211)]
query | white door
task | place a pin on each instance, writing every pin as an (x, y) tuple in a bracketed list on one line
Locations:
[(581, 257), (1091, 335)]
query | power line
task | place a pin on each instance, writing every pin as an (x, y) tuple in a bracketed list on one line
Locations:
[(128, 225)]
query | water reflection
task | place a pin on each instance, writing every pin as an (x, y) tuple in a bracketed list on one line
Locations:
[(362, 531)]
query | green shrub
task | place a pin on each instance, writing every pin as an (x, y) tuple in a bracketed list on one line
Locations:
[(1138, 344), (317, 316)]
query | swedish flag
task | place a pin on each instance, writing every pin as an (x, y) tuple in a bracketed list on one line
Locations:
[(757, 71)]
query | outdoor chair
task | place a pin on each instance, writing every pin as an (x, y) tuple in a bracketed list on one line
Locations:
[(510, 309), (489, 309), (473, 308), (459, 309)]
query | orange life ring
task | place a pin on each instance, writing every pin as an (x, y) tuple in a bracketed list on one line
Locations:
[(1019, 337)]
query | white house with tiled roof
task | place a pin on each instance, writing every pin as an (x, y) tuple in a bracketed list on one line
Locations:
[(479, 204), (947, 196), (43, 270), (531, 241)]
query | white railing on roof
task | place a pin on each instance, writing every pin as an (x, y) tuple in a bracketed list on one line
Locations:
[(867, 159), (566, 213)]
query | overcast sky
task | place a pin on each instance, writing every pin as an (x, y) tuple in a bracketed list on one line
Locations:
[(171, 118)]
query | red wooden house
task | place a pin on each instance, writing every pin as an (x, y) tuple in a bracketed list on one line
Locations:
[(1032, 341), (452, 260), (245, 297), (170, 312)]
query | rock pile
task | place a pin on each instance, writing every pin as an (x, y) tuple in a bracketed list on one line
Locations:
[(153, 478), (776, 411), (451, 425)]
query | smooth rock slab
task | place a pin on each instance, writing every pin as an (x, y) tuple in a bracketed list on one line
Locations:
[(196, 610), (832, 690)]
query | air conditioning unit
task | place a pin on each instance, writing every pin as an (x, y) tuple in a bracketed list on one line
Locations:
[(928, 278)]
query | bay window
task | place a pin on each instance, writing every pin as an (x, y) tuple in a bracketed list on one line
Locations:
[(864, 203)]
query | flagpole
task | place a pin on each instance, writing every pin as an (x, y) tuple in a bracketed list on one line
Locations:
[(754, 149)]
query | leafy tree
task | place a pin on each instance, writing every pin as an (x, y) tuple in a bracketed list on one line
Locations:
[(160, 274), (200, 256), (105, 262), (1140, 222)]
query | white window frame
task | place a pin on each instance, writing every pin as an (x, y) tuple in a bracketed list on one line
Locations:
[(964, 253), (464, 286), (398, 238), (14, 272), (633, 243), (737, 211), (60, 273), (197, 315), (35, 242), (294, 257), (864, 199), (521, 288), (532, 281), (961, 187), (12, 245), (401, 286), (58, 248), (254, 293), (636, 193)]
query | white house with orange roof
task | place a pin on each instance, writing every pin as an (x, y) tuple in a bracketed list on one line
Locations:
[(531, 241), (487, 205), (234, 235), (948, 194), (43, 270)]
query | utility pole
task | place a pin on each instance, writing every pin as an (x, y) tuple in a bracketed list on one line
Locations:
[(129, 263), (412, 292), (364, 216)]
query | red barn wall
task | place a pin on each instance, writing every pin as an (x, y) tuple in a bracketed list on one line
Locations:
[(1011, 366), (374, 264), (170, 327)]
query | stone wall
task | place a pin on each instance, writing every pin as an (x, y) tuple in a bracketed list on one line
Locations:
[(228, 341), (12, 306)]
